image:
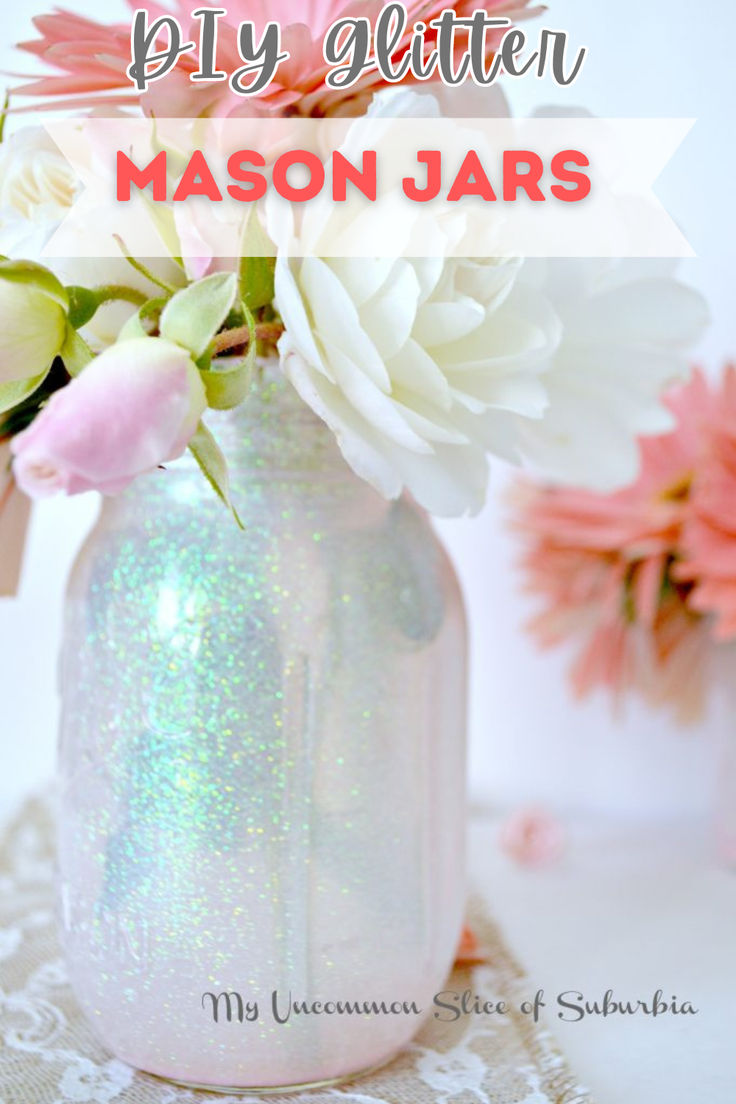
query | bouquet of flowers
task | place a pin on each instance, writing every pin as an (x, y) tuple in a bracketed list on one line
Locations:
[(421, 367), (645, 578)]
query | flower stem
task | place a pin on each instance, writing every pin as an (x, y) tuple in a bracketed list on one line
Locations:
[(110, 292), (7, 492), (230, 339), (269, 331), (143, 269), (4, 115)]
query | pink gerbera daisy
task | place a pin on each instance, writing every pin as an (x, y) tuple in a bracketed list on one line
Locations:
[(90, 59), (607, 567), (709, 534)]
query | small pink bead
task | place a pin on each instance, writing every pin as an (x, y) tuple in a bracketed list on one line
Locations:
[(532, 837)]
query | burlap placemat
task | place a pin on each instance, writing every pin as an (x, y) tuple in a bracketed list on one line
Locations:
[(49, 1056)]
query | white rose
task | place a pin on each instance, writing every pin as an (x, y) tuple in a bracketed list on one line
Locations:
[(628, 329), (421, 367), (37, 188), (418, 366)]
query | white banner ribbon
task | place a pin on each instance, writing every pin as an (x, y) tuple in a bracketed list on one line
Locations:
[(572, 187)]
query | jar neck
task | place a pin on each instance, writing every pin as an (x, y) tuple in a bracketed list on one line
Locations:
[(274, 431)]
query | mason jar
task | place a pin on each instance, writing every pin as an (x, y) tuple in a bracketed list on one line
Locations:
[(262, 764)]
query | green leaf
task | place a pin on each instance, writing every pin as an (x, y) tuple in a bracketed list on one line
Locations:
[(131, 329), (228, 381), (257, 281), (28, 272), (257, 265), (213, 465), (17, 391), (75, 352), (194, 315), (83, 305), (145, 322), (19, 417)]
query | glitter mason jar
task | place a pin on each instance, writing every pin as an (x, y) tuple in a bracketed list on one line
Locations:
[(262, 765)]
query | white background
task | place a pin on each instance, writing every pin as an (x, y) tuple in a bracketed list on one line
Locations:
[(529, 740)]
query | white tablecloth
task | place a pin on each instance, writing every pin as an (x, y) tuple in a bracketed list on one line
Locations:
[(633, 908)]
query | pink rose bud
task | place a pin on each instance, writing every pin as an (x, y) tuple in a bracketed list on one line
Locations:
[(532, 837), (133, 407)]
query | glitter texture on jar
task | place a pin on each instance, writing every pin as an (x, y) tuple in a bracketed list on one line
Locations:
[(262, 764)]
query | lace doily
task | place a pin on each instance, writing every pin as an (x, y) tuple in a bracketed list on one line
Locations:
[(49, 1055)]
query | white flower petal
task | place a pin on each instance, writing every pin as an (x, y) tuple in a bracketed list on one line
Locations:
[(362, 281), (378, 409), (414, 370), (446, 323), (291, 305), (627, 330), (647, 312), (336, 319), (522, 393), (390, 315), (578, 444), (361, 447), (431, 425), (451, 482)]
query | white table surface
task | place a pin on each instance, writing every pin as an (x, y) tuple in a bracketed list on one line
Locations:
[(633, 908)]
